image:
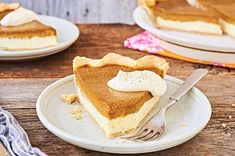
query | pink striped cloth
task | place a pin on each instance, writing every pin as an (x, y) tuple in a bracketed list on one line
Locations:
[(147, 42)]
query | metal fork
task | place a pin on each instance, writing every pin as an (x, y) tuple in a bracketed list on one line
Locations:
[(155, 125)]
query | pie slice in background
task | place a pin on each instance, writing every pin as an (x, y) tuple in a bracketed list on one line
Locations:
[(26, 36)]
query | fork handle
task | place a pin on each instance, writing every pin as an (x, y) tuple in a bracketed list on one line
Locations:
[(196, 76)]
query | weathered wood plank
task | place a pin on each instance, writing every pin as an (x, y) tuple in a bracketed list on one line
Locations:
[(84, 11)]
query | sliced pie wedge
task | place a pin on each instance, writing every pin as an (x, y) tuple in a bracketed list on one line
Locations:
[(224, 9), (31, 35), (180, 15), (116, 112)]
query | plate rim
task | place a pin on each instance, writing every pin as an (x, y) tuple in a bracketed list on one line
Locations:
[(4, 54), (107, 147), (172, 39), (215, 57)]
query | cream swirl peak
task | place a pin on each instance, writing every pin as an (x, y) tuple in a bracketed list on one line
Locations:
[(19, 16), (138, 81)]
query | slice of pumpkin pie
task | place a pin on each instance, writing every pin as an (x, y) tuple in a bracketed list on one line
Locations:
[(115, 89), (20, 29)]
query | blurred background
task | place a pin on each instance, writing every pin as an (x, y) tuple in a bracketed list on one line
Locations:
[(84, 11)]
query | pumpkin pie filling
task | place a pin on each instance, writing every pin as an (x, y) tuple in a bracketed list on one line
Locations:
[(116, 112), (27, 31), (4, 13), (109, 102), (224, 10)]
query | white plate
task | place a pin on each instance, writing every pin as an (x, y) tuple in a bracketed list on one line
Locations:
[(194, 110), (215, 57), (223, 43), (67, 33)]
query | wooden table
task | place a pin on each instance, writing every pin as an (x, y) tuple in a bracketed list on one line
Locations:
[(22, 82)]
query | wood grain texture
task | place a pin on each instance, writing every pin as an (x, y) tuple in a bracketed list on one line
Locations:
[(3, 150), (84, 11), (22, 82)]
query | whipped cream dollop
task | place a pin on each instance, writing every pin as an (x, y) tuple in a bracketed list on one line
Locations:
[(138, 81), (18, 17)]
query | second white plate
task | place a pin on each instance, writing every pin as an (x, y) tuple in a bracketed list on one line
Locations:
[(67, 34), (184, 120), (222, 43), (217, 58)]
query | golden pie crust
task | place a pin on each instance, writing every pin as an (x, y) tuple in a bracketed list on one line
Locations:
[(147, 62)]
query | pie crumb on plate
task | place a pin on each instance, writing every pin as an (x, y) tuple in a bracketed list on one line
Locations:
[(76, 113), (69, 98)]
